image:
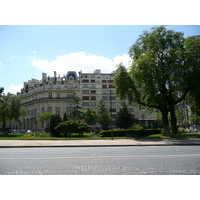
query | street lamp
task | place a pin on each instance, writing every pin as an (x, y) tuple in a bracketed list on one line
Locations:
[(111, 122)]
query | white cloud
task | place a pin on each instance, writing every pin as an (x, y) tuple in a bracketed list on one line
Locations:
[(15, 88), (80, 61), (12, 57), (34, 51)]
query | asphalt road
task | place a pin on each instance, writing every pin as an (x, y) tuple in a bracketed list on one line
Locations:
[(149, 160)]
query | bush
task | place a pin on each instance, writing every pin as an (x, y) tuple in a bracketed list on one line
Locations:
[(122, 133), (37, 135), (181, 130)]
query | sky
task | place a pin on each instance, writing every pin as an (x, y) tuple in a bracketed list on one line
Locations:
[(26, 51)]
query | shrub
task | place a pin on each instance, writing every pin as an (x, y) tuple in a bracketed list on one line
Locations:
[(37, 135), (122, 133)]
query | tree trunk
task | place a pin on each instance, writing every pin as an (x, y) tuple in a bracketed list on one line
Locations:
[(173, 121), (165, 123)]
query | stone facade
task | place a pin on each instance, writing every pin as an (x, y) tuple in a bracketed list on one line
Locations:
[(56, 94)]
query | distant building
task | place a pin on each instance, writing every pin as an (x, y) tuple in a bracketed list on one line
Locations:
[(56, 94)]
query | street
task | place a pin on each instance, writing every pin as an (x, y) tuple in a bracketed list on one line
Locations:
[(146, 160)]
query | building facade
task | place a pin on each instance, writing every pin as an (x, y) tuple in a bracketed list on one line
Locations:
[(56, 94)]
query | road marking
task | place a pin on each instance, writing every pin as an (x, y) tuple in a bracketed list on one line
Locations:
[(96, 157)]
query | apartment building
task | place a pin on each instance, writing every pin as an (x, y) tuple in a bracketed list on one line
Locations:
[(56, 94)]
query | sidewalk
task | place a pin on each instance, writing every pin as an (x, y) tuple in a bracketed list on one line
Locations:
[(97, 143)]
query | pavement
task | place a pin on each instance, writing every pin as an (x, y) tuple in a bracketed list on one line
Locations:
[(97, 143)]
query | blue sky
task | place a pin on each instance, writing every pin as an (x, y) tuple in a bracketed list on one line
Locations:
[(27, 51)]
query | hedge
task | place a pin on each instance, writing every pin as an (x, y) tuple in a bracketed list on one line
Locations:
[(122, 133)]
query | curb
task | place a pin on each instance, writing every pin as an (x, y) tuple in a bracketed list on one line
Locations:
[(71, 146)]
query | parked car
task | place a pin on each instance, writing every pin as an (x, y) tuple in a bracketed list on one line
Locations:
[(22, 131), (28, 131)]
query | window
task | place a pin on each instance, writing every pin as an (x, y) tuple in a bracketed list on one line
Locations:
[(104, 86), (111, 86), (93, 91), (83, 76), (85, 104), (85, 81), (112, 98), (92, 81), (70, 95), (131, 109), (113, 104), (85, 86), (85, 97), (112, 91), (70, 86), (104, 98), (85, 92), (93, 98), (58, 95), (103, 81), (112, 109), (104, 92), (50, 95), (58, 86), (92, 76), (93, 86), (50, 86), (93, 103), (70, 105)]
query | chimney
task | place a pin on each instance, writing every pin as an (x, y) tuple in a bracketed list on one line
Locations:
[(44, 76), (54, 74)]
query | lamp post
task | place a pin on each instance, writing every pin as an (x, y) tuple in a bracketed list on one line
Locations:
[(111, 122)]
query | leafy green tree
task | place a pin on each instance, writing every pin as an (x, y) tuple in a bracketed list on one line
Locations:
[(65, 118), (159, 76), (10, 109), (66, 128), (123, 118), (55, 120), (90, 116), (77, 113), (193, 61), (1, 91), (45, 117), (103, 115)]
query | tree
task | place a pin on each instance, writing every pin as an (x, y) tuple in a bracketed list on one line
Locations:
[(66, 128), (193, 61), (103, 115), (1, 91), (123, 118), (65, 117), (90, 116), (10, 109), (159, 76), (77, 113), (45, 117), (54, 121)]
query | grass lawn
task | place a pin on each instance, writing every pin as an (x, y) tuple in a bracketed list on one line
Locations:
[(88, 137)]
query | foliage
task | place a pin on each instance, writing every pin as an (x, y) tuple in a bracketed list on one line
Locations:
[(37, 135), (10, 109), (124, 132), (55, 120), (90, 116), (43, 117), (160, 76), (66, 128), (103, 115), (96, 129), (137, 127), (195, 119), (77, 113), (123, 118)]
